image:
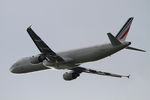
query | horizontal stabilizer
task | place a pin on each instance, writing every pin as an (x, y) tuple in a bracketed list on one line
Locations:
[(114, 41), (132, 48)]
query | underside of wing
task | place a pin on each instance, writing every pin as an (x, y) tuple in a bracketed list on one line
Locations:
[(81, 69), (42, 46), (76, 71)]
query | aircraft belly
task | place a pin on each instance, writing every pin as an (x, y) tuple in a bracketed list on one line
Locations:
[(58, 67), (36, 67)]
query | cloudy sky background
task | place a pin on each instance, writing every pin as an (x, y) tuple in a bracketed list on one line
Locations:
[(71, 24)]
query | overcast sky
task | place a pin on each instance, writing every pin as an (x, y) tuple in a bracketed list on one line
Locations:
[(71, 24)]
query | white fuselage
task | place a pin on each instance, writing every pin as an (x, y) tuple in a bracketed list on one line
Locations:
[(72, 58)]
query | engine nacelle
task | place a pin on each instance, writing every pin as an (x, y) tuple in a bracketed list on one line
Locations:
[(70, 75), (37, 59)]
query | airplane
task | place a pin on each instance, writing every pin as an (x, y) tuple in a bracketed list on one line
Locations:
[(71, 60)]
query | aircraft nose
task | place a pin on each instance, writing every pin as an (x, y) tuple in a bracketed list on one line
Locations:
[(18, 66), (14, 69)]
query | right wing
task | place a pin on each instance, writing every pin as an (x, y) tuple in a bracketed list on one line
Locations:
[(81, 69), (42, 46)]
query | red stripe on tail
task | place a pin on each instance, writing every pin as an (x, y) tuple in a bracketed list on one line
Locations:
[(125, 33)]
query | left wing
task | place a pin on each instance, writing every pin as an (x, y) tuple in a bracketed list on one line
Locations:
[(81, 69), (43, 48)]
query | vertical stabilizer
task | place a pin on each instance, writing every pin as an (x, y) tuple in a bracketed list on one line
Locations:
[(122, 34)]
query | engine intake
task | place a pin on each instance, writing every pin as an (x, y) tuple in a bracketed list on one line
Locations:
[(68, 76)]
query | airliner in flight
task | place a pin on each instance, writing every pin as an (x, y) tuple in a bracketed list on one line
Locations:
[(72, 60)]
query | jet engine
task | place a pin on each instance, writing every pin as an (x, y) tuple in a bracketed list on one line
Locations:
[(68, 76), (37, 59)]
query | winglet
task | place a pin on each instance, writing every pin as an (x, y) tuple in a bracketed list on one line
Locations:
[(30, 26), (114, 41), (128, 76)]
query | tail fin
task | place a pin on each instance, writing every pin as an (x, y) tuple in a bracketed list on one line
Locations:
[(113, 40), (122, 34)]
